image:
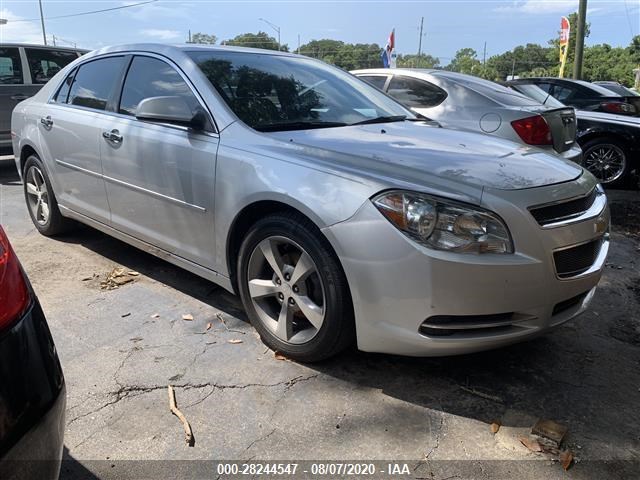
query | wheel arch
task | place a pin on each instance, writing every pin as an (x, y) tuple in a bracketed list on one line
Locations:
[(248, 216)]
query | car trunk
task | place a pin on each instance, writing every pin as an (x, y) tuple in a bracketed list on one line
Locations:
[(562, 123)]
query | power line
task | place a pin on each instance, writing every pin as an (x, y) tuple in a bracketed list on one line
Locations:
[(84, 13)]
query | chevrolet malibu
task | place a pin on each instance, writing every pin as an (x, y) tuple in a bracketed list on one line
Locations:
[(331, 209)]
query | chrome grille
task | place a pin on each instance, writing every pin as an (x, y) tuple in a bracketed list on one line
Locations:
[(557, 212), (573, 261)]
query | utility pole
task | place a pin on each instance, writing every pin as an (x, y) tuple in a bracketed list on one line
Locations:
[(54, 41), (420, 40), (189, 36), (44, 34), (513, 67), (276, 28), (484, 57), (298, 44), (582, 18)]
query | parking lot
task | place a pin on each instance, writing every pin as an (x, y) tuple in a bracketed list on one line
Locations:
[(121, 348)]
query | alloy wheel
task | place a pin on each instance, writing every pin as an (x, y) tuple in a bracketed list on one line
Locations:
[(37, 195), (606, 162), (286, 290)]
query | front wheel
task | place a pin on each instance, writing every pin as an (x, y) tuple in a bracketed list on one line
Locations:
[(607, 160), (294, 290)]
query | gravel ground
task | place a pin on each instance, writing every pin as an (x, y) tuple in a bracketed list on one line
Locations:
[(121, 348)]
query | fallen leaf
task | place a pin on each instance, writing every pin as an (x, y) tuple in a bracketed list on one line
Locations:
[(235, 340), (209, 326), (566, 457), (279, 356), (155, 315), (187, 317), (530, 444), (495, 426)]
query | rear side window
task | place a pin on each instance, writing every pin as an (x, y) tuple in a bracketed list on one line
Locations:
[(44, 63), (63, 92), (563, 93), (10, 67), (149, 77), (415, 93), (377, 81), (95, 82)]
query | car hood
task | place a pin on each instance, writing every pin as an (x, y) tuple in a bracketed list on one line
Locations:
[(416, 152)]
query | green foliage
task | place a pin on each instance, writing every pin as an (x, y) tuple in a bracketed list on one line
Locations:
[(465, 61), (256, 40), (347, 56), (203, 38), (415, 61)]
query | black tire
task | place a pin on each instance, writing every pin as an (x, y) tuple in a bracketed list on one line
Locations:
[(337, 330), (594, 145), (55, 223)]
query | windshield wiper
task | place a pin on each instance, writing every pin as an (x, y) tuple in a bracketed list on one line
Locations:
[(301, 125), (382, 119)]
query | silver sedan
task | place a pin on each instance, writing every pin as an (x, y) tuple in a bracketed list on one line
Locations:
[(331, 209), (456, 100)]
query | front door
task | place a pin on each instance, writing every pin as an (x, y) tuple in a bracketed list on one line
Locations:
[(160, 177)]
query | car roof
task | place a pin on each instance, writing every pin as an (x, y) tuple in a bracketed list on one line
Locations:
[(163, 48), (43, 47)]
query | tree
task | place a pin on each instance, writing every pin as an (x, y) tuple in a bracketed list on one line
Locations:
[(415, 61), (465, 61), (256, 40), (347, 56), (203, 38)]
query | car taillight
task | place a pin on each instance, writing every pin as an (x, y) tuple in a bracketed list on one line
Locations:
[(533, 130), (618, 107), (14, 294)]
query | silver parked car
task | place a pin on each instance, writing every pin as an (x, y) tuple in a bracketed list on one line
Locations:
[(324, 203), (456, 100)]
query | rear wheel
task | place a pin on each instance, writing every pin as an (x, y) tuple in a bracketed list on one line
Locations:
[(607, 159), (41, 201), (294, 290)]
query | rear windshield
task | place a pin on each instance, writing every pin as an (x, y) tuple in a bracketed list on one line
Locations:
[(499, 94), (618, 89), (539, 95)]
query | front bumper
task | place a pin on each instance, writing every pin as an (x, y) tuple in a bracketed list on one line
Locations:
[(397, 285)]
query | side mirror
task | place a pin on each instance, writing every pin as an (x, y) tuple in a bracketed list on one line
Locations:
[(171, 110)]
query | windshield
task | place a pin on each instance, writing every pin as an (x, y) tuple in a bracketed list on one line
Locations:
[(277, 92), (539, 95)]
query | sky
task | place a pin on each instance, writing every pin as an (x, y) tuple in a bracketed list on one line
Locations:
[(448, 24)]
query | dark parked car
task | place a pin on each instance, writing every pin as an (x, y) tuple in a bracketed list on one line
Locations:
[(23, 71), (585, 95), (32, 389), (610, 143), (618, 89)]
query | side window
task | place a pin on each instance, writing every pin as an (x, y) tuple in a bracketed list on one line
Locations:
[(546, 87), (150, 77), (377, 81), (62, 94), (95, 82), (44, 63), (415, 93), (563, 93), (10, 67)]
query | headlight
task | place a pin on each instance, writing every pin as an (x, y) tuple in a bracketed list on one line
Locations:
[(443, 224)]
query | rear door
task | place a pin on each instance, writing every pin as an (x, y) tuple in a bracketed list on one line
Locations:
[(160, 177), (71, 131), (11, 92)]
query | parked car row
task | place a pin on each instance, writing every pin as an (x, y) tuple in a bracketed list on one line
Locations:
[(594, 125)]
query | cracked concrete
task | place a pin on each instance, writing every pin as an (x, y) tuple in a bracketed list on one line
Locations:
[(243, 403)]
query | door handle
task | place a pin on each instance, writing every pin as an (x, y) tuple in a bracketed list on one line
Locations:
[(113, 136), (46, 121), (19, 97)]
